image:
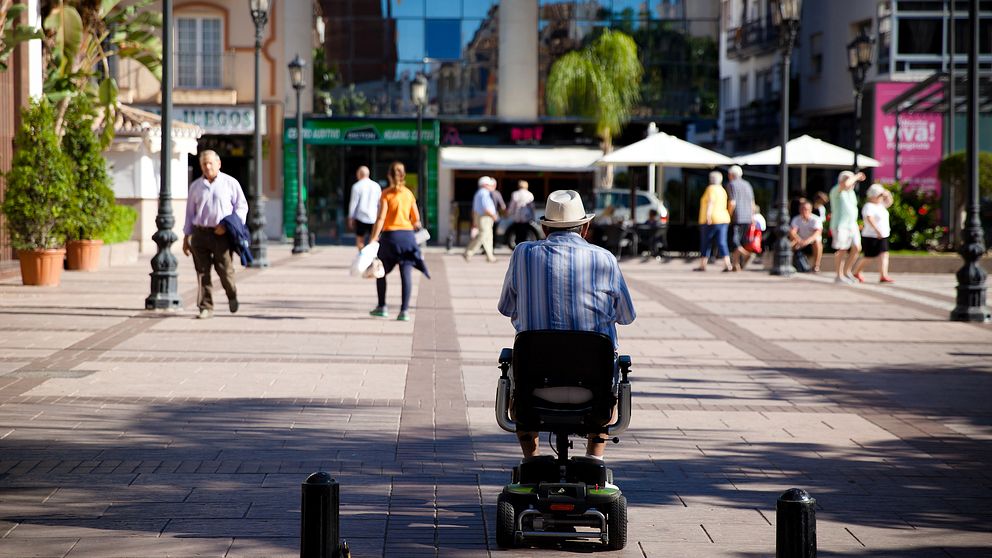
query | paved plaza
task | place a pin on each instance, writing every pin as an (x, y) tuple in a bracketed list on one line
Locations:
[(129, 433)]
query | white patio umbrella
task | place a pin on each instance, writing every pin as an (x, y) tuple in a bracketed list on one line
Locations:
[(665, 149), (807, 151)]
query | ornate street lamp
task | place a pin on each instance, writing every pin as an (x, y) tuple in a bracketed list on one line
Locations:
[(259, 15), (164, 288), (418, 94), (970, 302), (860, 55), (785, 15), (301, 240)]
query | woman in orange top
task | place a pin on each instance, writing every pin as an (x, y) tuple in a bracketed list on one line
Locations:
[(398, 217)]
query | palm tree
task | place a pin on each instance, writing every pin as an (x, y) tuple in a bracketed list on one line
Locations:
[(602, 81)]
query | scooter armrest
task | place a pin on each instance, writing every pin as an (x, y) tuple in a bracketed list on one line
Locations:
[(506, 355), (503, 405), (623, 409), (623, 362)]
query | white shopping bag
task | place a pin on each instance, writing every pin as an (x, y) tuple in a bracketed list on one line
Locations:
[(422, 236), (364, 258), (375, 270)]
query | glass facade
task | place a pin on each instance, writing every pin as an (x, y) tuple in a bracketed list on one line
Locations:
[(373, 49)]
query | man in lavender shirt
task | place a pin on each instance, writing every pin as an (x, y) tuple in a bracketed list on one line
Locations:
[(212, 197)]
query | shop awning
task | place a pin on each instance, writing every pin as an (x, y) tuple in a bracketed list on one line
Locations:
[(548, 159), (931, 95)]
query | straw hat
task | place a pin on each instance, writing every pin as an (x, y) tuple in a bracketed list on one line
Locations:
[(564, 210)]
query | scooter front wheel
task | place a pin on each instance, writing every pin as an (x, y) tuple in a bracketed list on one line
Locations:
[(505, 522), (616, 523)]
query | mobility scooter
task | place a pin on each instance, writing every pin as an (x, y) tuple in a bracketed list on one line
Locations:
[(560, 498)]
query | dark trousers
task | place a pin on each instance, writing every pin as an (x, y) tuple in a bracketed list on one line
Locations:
[(211, 250)]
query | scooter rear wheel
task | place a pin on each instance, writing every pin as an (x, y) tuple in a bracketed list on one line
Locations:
[(616, 523), (505, 522)]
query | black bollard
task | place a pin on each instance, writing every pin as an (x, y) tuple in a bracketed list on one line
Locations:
[(319, 523), (795, 525)]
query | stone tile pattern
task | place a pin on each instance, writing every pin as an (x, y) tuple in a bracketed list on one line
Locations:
[(125, 433)]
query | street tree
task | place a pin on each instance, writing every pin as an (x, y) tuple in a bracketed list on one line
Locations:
[(601, 81), (12, 32), (81, 39)]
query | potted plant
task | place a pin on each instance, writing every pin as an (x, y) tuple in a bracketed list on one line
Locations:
[(39, 187), (92, 199)]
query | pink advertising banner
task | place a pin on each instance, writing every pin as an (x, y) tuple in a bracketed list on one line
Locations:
[(920, 142)]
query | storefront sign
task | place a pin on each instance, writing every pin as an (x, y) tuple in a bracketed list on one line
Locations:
[(351, 132), (920, 142), (222, 120)]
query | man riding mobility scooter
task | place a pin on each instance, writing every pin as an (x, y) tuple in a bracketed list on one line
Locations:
[(562, 498)]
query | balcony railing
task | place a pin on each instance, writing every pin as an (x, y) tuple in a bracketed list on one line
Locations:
[(199, 70), (754, 37), (756, 119)]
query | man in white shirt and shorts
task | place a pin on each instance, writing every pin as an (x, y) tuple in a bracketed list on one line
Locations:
[(364, 206)]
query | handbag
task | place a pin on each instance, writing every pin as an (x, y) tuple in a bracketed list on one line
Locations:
[(801, 262), (422, 236), (753, 242)]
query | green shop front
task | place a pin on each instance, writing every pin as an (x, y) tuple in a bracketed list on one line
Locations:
[(333, 149)]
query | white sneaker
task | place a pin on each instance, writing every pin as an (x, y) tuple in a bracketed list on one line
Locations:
[(843, 280)]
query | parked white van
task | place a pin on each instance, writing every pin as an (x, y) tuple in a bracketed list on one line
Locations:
[(619, 200)]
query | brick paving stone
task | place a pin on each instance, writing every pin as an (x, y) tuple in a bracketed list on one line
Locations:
[(125, 433)]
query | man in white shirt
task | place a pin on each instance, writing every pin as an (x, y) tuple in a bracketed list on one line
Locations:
[(806, 233), (521, 210), (212, 197), (484, 216), (364, 206)]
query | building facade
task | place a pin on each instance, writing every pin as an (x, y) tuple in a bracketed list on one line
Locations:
[(911, 43), (486, 62), (213, 87)]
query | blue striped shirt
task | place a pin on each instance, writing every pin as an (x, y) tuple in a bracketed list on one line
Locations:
[(565, 283)]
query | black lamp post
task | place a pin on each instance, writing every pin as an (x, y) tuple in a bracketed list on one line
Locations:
[(970, 302), (259, 15), (785, 14), (164, 288), (301, 240), (860, 55), (418, 94)]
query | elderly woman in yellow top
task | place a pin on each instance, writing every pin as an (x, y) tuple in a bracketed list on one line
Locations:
[(393, 228), (713, 221)]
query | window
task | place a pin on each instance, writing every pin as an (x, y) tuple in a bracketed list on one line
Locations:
[(198, 53), (920, 36), (743, 98), (815, 55), (443, 38)]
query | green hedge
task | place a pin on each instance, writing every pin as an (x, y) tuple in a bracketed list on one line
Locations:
[(121, 225)]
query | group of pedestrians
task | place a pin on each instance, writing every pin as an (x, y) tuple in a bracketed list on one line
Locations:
[(848, 239), (854, 246), (726, 215)]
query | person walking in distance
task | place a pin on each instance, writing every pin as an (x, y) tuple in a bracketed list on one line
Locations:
[(741, 207), (393, 229), (363, 206), (521, 211), (212, 197), (713, 221), (484, 216), (844, 225), (875, 235)]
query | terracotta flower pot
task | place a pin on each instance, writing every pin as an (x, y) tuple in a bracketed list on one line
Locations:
[(41, 268), (83, 255)]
